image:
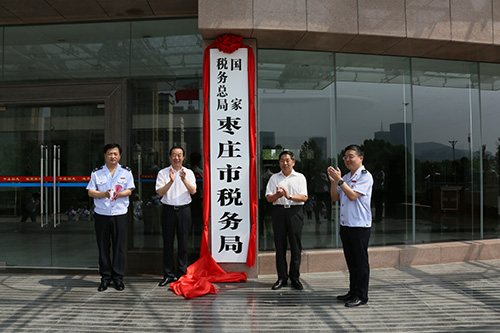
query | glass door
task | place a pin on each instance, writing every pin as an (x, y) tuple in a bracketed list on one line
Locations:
[(45, 213)]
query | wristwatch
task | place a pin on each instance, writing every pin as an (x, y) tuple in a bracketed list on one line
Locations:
[(290, 197), (340, 182)]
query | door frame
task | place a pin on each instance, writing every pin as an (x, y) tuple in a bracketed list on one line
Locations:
[(114, 94)]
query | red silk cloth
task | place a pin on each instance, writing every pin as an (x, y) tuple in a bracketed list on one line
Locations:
[(200, 275)]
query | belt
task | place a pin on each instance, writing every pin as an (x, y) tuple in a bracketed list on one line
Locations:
[(287, 206), (177, 207)]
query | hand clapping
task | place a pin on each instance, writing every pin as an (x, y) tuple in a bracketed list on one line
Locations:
[(334, 174)]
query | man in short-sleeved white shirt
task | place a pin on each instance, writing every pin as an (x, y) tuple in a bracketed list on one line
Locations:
[(354, 191), (110, 186), (287, 191), (175, 184)]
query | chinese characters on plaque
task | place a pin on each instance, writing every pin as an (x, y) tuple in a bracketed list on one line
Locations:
[(229, 156)]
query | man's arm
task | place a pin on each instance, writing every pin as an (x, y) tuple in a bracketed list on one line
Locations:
[(189, 186), (124, 193), (349, 192), (164, 189), (98, 194), (335, 177)]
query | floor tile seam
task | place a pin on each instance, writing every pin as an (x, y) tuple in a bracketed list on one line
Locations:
[(81, 305), (465, 314), (130, 315), (269, 327), (460, 291)]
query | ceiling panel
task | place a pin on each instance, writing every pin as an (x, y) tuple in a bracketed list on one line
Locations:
[(6, 17), (44, 11), (126, 8), (174, 7), (32, 11), (81, 9)]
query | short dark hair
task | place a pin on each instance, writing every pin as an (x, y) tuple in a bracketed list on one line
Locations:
[(111, 146), (356, 148), (176, 147), (286, 152)]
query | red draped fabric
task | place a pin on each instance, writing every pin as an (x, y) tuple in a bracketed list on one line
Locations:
[(200, 275)]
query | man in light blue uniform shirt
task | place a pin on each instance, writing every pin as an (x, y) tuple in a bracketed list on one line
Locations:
[(110, 186), (354, 191)]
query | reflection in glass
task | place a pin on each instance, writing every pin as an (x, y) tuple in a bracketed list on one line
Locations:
[(163, 117), (166, 48), (295, 113), (490, 118), (160, 49), (68, 51), (447, 154), (78, 130), (373, 110)]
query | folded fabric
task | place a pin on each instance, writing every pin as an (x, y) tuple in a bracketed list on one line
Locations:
[(200, 275), (114, 193)]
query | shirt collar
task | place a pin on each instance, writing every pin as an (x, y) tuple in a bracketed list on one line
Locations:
[(293, 173), (171, 167), (117, 167)]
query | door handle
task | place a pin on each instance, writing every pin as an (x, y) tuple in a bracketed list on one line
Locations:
[(43, 158), (56, 166)]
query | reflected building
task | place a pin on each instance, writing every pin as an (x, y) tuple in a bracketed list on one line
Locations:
[(398, 134), (267, 139)]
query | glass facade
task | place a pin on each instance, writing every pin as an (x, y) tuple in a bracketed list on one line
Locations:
[(154, 49), (161, 63), (164, 115), (429, 129)]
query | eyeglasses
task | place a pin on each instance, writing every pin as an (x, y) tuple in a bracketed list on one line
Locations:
[(350, 157)]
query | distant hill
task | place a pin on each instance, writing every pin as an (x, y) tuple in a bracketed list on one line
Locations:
[(433, 151)]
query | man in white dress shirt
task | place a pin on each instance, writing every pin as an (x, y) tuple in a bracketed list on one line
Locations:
[(287, 191), (175, 184)]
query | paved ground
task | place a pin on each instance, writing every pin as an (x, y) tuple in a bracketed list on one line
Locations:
[(438, 298)]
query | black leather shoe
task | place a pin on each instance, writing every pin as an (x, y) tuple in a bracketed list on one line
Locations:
[(355, 301), (345, 297), (278, 284), (102, 286), (119, 285), (166, 281), (297, 285)]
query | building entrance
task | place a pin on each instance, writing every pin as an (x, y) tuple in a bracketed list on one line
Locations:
[(45, 213)]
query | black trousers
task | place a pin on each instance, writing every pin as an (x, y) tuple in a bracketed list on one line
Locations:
[(111, 233), (355, 244), (175, 223), (287, 225)]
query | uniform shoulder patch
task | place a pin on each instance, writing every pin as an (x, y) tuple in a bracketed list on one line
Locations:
[(364, 171), (126, 168), (97, 169)]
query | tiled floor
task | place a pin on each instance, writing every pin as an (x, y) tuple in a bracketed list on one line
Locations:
[(439, 298)]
